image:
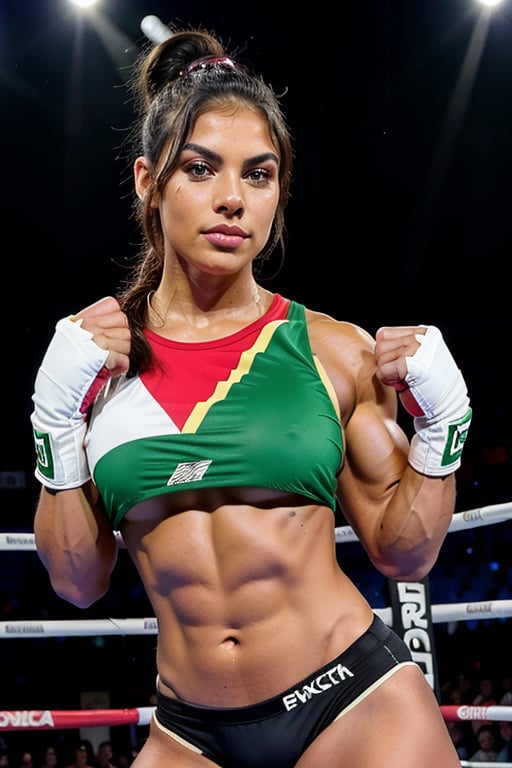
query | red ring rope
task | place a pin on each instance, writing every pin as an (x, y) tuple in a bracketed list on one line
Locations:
[(46, 719)]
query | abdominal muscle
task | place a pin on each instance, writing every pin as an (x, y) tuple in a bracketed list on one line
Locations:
[(249, 597)]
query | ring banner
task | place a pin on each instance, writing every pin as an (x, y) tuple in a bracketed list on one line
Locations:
[(412, 621)]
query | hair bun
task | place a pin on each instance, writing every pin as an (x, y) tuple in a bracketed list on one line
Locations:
[(174, 55)]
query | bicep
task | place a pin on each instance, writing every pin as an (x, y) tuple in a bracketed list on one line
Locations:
[(376, 448), (375, 459)]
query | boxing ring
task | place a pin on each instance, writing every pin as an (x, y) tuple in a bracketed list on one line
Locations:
[(26, 720)]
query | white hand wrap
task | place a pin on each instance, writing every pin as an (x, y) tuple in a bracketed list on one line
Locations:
[(72, 368), (437, 385)]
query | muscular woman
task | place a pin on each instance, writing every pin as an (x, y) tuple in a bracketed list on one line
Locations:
[(217, 425)]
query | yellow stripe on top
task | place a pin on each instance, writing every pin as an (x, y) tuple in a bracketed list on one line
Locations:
[(328, 385), (244, 365)]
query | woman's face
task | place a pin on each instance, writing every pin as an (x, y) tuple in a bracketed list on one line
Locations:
[(218, 206)]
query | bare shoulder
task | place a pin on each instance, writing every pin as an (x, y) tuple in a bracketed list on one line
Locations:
[(324, 329), (346, 343)]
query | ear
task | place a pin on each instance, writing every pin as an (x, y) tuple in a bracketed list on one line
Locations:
[(142, 176)]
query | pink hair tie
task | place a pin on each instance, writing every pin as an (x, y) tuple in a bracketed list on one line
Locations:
[(207, 62)]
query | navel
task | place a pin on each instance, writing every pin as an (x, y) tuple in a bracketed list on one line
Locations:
[(230, 642)]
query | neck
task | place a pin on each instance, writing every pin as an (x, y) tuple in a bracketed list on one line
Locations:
[(184, 316)]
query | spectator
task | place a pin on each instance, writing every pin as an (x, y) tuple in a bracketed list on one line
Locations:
[(83, 755), (460, 737), (505, 753), (50, 758), (486, 697), (464, 687), (4, 757), (506, 691), (487, 752), (126, 758), (104, 755)]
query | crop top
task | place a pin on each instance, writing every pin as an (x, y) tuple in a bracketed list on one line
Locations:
[(252, 409)]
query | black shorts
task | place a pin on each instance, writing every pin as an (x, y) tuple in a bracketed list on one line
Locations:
[(275, 733)]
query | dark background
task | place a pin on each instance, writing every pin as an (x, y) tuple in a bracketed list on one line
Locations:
[(402, 120)]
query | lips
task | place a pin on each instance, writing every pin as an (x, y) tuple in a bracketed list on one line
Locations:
[(225, 237)]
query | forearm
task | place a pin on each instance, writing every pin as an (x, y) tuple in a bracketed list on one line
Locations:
[(413, 525), (417, 514), (73, 536), (75, 544)]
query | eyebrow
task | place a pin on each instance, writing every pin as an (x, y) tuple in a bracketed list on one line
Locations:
[(216, 158)]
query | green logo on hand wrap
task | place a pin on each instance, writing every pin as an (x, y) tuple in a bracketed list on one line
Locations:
[(457, 433), (44, 454)]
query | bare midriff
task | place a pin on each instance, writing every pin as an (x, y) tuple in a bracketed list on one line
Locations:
[(249, 597)]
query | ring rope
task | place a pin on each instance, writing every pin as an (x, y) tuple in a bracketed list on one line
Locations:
[(460, 712), (25, 542), (30, 720), (78, 628), (466, 764), (444, 612), (472, 518), (41, 720)]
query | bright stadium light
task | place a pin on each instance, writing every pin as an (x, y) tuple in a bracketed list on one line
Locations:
[(84, 3)]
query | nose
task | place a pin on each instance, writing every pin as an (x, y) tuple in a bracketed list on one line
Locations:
[(228, 195)]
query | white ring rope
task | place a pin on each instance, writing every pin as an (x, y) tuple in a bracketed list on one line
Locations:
[(466, 764), (25, 542), (78, 628), (472, 518), (441, 613)]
